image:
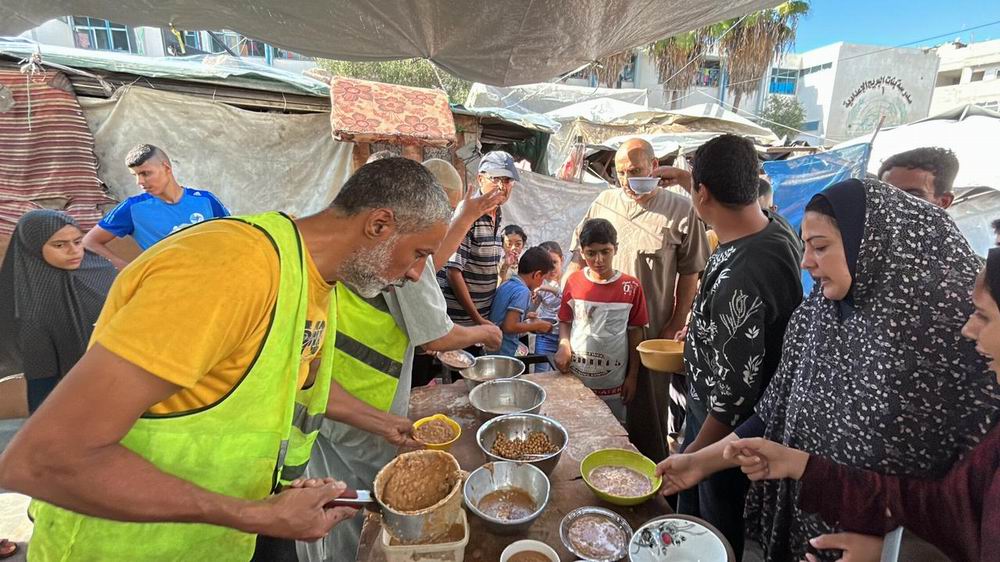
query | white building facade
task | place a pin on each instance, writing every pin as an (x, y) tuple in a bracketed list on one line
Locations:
[(104, 35), (969, 74), (844, 88)]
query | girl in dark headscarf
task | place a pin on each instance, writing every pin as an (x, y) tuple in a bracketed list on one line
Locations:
[(874, 371), (51, 292)]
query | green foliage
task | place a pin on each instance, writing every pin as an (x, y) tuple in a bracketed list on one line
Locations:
[(787, 112), (408, 72)]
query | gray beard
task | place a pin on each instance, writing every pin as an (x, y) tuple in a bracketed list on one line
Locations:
[(364, 270)]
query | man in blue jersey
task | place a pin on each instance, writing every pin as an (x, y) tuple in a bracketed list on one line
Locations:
[(163, 207)]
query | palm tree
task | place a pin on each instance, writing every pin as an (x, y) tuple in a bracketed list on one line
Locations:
[(750, 44), (610, 68), (676, 60)]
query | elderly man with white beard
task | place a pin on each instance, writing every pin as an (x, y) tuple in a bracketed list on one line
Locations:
[(186, 406)]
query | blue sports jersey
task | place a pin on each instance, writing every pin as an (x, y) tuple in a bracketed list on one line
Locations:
[(149, 219)]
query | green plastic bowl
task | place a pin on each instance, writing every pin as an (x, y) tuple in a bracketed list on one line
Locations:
[(620, 457)]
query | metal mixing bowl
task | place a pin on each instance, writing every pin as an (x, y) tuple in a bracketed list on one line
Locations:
[(505, 475), (519, 426), (506, 396), (492, 367), (599, 512)]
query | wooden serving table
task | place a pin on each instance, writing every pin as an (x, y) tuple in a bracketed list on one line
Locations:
[(591, 426)]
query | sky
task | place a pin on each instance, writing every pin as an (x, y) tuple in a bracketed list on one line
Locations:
[(895, 22)]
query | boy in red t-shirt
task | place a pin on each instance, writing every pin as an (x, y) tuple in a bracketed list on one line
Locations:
[(601, 321)]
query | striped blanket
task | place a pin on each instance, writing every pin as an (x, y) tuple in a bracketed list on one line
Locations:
[(47, 157)]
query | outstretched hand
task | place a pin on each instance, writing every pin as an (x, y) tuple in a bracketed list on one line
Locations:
[(476, 204), (854, 547), (761, 459), (679, 473)]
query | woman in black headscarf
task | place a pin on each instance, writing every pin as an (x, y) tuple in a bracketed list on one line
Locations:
[(51, 292), (874, 372)]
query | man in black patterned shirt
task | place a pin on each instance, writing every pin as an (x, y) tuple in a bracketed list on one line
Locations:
[(750, 287)]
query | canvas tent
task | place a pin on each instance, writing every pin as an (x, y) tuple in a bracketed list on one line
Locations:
[(504, 43), (606, 123), (548, 96), (968, 132)]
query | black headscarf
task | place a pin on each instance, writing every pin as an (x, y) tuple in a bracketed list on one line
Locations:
[(47, 314), (847, 200), (993, 273), (894, 387)]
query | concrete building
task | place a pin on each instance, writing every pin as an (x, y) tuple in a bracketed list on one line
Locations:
[(105, 35), (969, 74), (844, 88)]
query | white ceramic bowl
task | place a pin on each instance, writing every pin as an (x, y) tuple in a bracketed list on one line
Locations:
[(531, 546), (679, 538), (643, 185)]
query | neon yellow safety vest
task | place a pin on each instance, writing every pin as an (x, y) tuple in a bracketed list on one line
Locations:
[(370, 348), (233, 447), (310, 405)]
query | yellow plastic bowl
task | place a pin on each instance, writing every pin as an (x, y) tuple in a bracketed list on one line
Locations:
[(451, 423), (620, 457), (666, 356)]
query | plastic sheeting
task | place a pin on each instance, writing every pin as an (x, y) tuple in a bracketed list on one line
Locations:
[(546, 97), (253, 161), (974, 211), (795, 181), (548, 208), (610, 123), (970, 134), (510, 42), (222, 69)]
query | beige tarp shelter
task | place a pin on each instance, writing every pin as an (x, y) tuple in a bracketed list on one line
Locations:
[(503, 43), (604, 121)]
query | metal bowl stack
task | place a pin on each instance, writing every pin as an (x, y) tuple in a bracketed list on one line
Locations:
[(506, 396), (495, 476), (520, 426), (492, 367)]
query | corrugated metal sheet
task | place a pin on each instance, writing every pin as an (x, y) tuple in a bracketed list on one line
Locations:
[(47, 160)]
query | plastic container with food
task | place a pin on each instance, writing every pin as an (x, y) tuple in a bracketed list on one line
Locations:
[(447, 551), (643, 185), (420, 495), (620, 476), (529, 551), (438, 432)]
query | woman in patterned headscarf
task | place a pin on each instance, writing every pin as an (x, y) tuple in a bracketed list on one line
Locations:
[(51, 292), (874, 372)]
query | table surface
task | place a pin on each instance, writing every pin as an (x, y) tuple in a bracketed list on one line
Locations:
[(591, 426)]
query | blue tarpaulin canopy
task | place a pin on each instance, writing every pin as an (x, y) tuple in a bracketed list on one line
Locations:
[(796, 181)]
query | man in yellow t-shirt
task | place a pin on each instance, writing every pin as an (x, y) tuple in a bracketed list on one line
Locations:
[(184, 324)]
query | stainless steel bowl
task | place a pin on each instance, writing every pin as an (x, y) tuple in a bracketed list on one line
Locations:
[(492, 367), (506, 475), (519, 426), (506, 396), (598, 511)]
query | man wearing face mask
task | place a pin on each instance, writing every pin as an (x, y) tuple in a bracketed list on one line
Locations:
[(663, 244), (197, 390), (469, 279)]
